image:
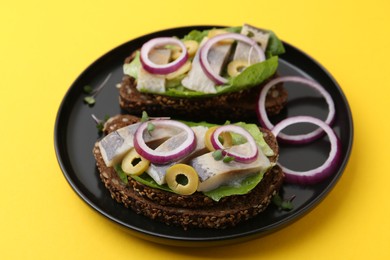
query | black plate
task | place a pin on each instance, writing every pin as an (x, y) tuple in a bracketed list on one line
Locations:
[(75, 135)]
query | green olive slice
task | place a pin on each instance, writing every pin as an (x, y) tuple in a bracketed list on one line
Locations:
[(182, 179), (134, 164)]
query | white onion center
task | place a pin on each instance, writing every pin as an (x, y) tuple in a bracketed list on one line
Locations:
[(244, 158), (204, 62), (154, 68), (162, 157)]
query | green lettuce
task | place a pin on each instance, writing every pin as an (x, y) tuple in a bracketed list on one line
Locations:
[(257, 135), (148, 181), (275, 46), (254, 75), (132, 68), (239, 188), (121, 174)]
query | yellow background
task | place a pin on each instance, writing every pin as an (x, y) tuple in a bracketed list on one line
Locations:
[(45, 45)]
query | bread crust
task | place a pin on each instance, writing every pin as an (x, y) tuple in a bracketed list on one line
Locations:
[(192, 211)]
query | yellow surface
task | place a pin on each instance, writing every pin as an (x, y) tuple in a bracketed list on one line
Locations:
[(45, 45)]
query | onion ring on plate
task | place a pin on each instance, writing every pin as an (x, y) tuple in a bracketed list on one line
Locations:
[(298, 139), (327, 168), (162, 69), (210, 42), (243, 158), (164, 157)]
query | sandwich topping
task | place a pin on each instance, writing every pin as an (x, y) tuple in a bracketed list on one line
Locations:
[(179, 144), (210, 162), (173, 149), (152, 66), (197, 64)]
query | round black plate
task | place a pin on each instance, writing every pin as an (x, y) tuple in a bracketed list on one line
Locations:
[(76, 133)]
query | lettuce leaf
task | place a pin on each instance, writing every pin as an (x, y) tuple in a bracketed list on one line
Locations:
[(257, 135), (148, 181), (239, 188), (121, 174), (275, 46), (132, 68), (254, 74), (196, 35)]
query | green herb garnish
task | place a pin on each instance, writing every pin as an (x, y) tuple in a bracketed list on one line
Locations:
[(150, 127), (283, 204), (218, 155), (144, 117), (88, 89), (99, 122), (90, 100), (228, 159)]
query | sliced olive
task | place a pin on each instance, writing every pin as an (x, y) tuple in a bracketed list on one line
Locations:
[(226, 137), (215, 32), (134, 164), (183, 69), (235, 67), (191, 46), (182, 179)]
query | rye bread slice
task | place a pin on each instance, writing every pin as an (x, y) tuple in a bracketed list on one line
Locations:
[(196, 210), (235, 106)]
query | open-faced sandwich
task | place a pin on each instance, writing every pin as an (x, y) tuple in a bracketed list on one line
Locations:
[(208, 74), (189, 174), (205, 175)]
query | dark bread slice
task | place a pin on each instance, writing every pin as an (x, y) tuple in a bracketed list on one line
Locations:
[(235, 106), (196, 210)]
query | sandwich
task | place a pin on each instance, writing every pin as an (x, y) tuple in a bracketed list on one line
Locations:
[(189, 174), (210, 74)]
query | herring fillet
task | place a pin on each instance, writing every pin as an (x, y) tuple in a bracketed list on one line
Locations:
[(157, 172), (153, 82), (243, 50), (196, 79), (213, 173), (115, 145)]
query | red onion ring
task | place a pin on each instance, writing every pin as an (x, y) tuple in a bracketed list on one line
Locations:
[(238, 130), (163, 69), (327, 168), (209, 43), (167, 156), (297, 139)]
